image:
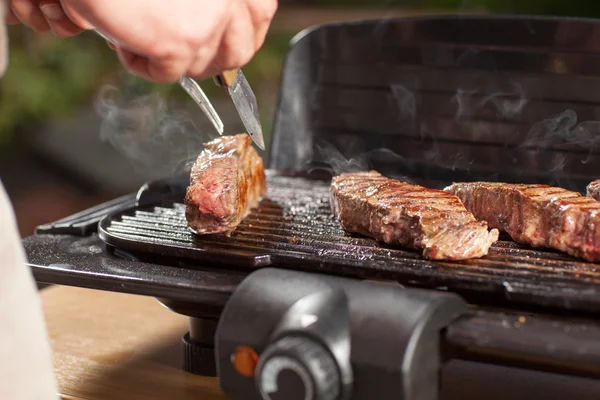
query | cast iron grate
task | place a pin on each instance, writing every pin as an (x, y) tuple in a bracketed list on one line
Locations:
[(293, 228)]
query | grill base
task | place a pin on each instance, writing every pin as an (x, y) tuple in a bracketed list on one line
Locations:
[(293, 228)]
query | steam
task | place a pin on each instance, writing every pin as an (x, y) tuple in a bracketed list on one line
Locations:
[(147, 132), (462, 98), (564, 131), (335, 162), (406, 100), (507, 104), (330, 159)]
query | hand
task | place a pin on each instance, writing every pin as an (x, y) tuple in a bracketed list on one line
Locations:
[(43, 16), (162, 40)]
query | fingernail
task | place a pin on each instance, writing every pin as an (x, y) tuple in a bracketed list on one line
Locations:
[(53, 12)]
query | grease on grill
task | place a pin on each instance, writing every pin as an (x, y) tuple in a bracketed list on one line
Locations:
[(293, 227)]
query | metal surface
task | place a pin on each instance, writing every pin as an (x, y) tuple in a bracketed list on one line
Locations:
[(245, 102), (394, 335), (445, 98), (293, 228), (566, 345), (195, 91), (83, 262)]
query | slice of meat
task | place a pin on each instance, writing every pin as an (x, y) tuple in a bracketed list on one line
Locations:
[(410, 216), (226, 182), (593, 190), (537, 215)]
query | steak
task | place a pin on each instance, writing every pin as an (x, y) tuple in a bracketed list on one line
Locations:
[(411, 216), (593, 190), (226, 182), (537, 215)]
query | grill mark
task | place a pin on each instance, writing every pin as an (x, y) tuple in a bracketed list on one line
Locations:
[(540, 215), (409, 215)]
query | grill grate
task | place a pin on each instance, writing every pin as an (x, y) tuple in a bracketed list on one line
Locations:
[(293, 228)]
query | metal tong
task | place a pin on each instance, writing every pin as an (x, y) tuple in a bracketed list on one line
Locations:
[(239, 91)]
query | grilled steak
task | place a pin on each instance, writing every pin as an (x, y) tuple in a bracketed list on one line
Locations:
[(593, 189), (537, 215), (226, 182), (410, 216)]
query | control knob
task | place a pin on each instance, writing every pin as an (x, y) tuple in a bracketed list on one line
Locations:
[(298, 368)]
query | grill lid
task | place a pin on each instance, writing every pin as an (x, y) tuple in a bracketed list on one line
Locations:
[(293, 228)]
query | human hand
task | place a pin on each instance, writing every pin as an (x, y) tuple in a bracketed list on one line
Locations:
[(158, 40), (43, 16)]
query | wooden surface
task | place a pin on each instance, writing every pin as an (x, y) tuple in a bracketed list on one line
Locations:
[(118, 346), (114, 346)]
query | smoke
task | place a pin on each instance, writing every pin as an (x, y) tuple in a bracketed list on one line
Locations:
[(333, 160), (406, 100), (565, 133), (330, 159), (506, 104), (463, 100), (552, 130), (143, 128)]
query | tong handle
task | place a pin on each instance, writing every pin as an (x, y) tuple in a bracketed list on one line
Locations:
[(226, 78)]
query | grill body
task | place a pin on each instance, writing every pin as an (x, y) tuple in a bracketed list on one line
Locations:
[(445, 99), (430, 100), (294, 228)]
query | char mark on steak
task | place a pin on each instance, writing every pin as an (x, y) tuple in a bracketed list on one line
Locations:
[(410, 216), (537, 215), (593, 190), (226, 182)]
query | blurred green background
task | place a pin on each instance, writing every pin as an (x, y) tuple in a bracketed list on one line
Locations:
[(52, 148)]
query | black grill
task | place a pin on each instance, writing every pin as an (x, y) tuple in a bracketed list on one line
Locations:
[(385, 93), (293, 228)]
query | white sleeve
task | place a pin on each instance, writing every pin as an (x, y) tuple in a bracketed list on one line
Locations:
[(26, 368)]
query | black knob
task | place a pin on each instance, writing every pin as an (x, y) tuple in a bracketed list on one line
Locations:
[(198, 359), (298, 368)]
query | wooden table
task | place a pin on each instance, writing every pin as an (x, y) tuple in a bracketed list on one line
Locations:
[(118, 346), (112, 346)]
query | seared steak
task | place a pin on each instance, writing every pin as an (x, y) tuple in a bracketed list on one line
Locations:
[(410, 216), (593, 189), (537, 215), (226, 182)]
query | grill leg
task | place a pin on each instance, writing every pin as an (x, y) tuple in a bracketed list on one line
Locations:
[(199, 347)]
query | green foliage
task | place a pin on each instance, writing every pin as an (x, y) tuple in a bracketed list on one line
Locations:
[(48, 77)]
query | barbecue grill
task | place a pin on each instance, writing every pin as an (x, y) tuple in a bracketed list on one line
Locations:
[(430, 100)]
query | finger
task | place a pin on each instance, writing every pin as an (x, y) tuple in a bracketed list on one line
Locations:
[(237, 44), (75, 17), (111, 45), (159, 71), (262, 13), (204, 66), (11, 18), (30, 15), (170, 69), (205, 62), (58, 20)]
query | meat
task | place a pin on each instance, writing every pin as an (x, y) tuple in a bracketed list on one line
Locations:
[(537, 215), (593, 190), (226, 182), (410, 216)]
